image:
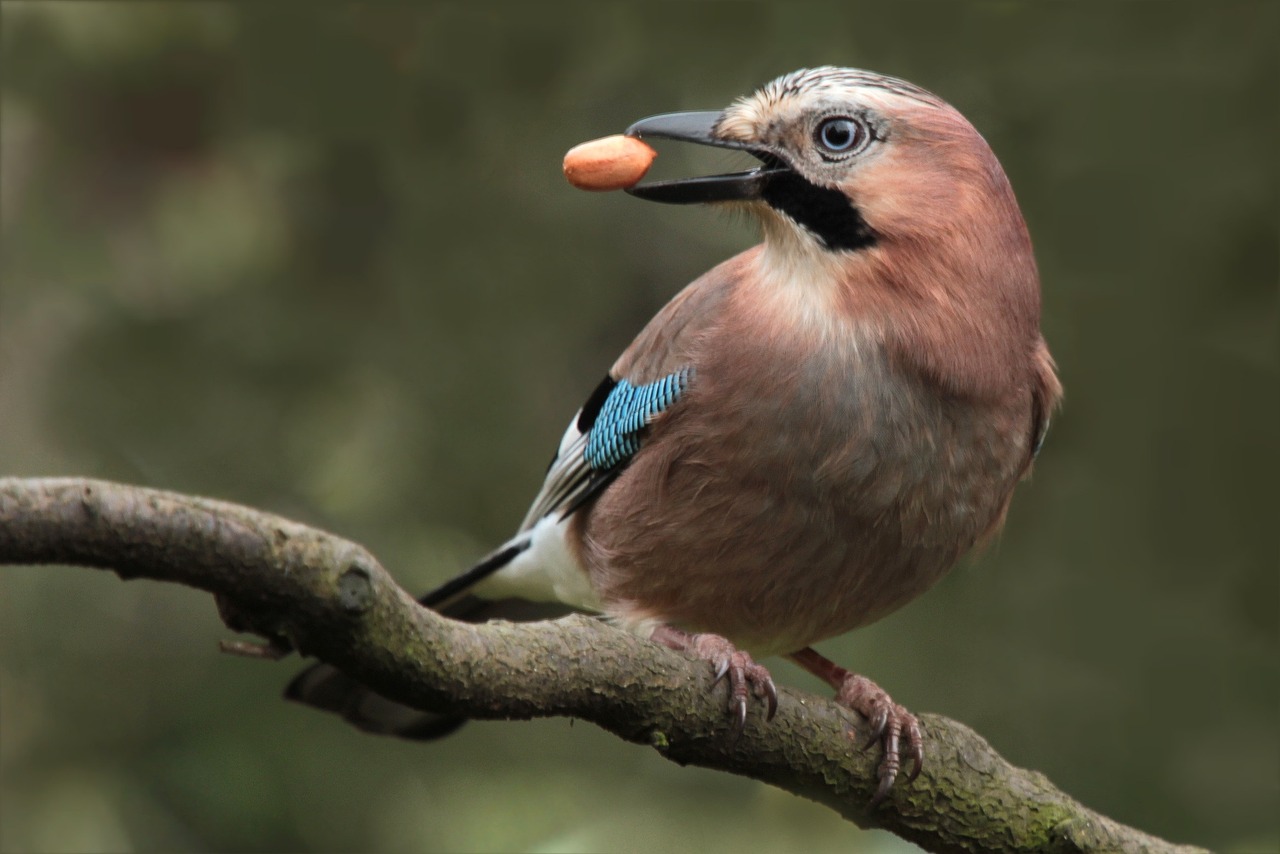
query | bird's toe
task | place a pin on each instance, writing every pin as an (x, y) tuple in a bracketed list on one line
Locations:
[(888, 723), (746, 678)]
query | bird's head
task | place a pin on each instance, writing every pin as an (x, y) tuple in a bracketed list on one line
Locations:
[(887, 194), (849, 159)]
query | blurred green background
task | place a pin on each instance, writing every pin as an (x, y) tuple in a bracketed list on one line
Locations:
[(320, 259)]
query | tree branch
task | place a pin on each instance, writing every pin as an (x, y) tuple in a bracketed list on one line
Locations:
[(305, 589)]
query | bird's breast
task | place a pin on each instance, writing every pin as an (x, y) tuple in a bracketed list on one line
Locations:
[(803, 487)]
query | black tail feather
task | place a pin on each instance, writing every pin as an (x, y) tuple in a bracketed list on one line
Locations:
[(439, 598)]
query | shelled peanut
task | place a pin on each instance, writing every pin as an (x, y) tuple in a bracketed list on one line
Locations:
[(610, 163)]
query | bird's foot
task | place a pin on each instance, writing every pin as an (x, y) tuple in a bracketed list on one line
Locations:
[(746, 678), (891, 724)]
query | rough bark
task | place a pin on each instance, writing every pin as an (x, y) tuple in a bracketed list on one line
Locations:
[(305, 589)]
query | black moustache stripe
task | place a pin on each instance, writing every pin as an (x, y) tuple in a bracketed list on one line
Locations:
[(826, 213)]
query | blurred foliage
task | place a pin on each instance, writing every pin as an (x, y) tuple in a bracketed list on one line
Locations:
[(320, 259)]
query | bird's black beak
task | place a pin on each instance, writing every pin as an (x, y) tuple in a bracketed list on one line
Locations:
[(700, 128)]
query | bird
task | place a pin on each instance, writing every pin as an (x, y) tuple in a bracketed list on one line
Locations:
[(808, 436)]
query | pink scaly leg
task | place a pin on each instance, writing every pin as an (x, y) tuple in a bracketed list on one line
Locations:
[(890, 722), (745, 676)]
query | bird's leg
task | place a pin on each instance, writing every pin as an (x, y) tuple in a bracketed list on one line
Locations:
[(890, 723), (745, 676)]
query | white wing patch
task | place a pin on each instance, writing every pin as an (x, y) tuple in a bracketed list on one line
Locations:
[(547, 571)]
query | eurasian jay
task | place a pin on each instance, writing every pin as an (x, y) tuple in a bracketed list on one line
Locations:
[(811, 434)]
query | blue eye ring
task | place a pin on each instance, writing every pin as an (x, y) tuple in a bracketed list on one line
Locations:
[(841, 135)]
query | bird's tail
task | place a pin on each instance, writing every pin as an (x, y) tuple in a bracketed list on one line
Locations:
[(325, 687)]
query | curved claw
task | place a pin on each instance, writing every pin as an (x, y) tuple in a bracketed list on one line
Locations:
[(878, 724), (771, 694), (917, 762), (882, 791), (915, 744), (721, 669)]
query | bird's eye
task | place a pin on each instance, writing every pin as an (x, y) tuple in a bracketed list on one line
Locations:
[(841, 135)]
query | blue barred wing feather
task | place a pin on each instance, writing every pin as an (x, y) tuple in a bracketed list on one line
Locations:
[(607, 433)]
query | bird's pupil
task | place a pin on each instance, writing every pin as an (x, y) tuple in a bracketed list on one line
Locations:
[(838, 134)]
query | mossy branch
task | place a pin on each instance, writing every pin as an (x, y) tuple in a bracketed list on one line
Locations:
[(304, 589)]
